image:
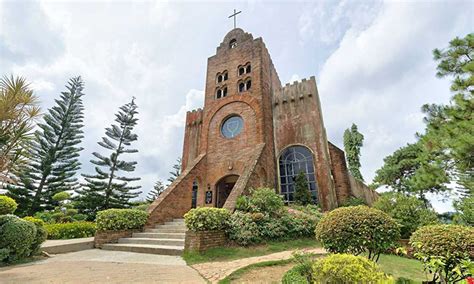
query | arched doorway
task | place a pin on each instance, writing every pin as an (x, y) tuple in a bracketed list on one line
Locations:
[(224, 188), (293, 160)]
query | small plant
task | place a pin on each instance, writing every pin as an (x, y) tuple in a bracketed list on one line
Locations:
[(446, 251), (357, 230), (302, 193), (7, 205), (70, 230), (295, 276), (121, 219), (347, 268), (206, 219), (353, 201)]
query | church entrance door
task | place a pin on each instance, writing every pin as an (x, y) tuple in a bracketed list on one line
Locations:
[(224, 188)]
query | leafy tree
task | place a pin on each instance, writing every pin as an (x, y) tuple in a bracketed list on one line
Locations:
[(353, 141), (54, 154), (158, 188), (449, 128), (412, 170), (19, 108), (107, 189), (465, 210), (176, 171), (302, 193)]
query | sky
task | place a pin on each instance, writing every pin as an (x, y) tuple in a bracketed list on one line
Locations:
[(372, 61)]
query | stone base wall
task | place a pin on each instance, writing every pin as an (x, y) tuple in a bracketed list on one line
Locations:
[(106, 237), (201, 241)]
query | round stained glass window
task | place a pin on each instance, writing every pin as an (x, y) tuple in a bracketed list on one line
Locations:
[(232, 126)]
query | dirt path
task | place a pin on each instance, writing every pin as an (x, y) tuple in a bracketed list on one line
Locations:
[(269, 274), (215, 271)]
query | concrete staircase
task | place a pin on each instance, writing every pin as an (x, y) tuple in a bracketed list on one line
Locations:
[(167, 239)]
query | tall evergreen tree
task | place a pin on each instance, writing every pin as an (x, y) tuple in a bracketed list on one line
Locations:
[(176, 171), (302, 193), (353, 141), (54, 153), (107, 188), (158, 189)]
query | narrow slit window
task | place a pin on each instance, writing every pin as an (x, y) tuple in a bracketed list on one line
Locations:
[(219, 94), (241, 87), (224, 94), (248, 69), (226, 76), (248, 85)]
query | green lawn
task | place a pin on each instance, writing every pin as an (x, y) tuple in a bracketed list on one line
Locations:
[(230, 253)]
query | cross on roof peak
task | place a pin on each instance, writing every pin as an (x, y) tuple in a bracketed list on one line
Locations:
[(235, 16)]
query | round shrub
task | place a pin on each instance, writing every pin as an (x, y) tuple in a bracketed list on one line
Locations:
[(7, 205), (347, 268), (356, 230), (16, 238), (61, 196), (264, 200), (41, 234), (294, 276), (70, 230), (243, 229), (206, 219), (121, 219), (444, 249), (408, 211)]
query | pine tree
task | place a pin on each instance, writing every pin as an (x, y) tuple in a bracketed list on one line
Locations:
[(176, 171), (54, 153), (302, 193), (107, 189), (353, 141), (158, 189)]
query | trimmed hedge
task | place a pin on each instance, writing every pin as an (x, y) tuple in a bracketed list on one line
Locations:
[(41, 233), (17, 238), (7, 205), (206, 219), (445, 249), (347, 268), (121, 219), (72, 230), (356, 230)]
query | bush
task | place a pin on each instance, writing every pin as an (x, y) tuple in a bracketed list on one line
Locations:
[(356, 230), (465, 210), (294, 276), (262, 200), (61, 196), (408, 211), (7, 205), (17, 237), (70, 230), (243, 229), (310, 209), (347, 268), (206, 219), (41, 233), (120, 219), (299, 225), (445, 250)]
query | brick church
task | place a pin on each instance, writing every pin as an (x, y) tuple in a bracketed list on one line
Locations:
[(253, 132)]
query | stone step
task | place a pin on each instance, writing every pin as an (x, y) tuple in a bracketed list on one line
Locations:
[(151, 241), (172, 231), (144, 248), (175, 223), (170, 227), (180, 236)]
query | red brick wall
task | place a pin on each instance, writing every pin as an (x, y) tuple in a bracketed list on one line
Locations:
[(106, 237), (201, 241), (340, 173)]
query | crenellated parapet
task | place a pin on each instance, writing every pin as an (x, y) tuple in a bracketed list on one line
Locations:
[(192, 136), (295, 92), (194, 117)]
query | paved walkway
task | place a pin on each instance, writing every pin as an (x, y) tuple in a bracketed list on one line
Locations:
[(101, 266), (70, 245), (215, 271)]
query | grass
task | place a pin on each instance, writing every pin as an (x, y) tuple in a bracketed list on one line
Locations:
[(398, 267), (239, 272), (231, 253)]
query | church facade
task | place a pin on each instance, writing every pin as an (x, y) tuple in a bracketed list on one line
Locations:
[(253, 132)]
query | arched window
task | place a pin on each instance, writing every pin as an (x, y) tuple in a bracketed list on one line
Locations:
[(224, 92), (233, 43), (241, 71), (241, 87), (219, 94), (248, 84), (248, 68), (219, 78), (194, 196), (226, 76), (294, 160)]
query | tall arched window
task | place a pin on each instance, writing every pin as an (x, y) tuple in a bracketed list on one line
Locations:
[(292, 161), (194, 197)]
